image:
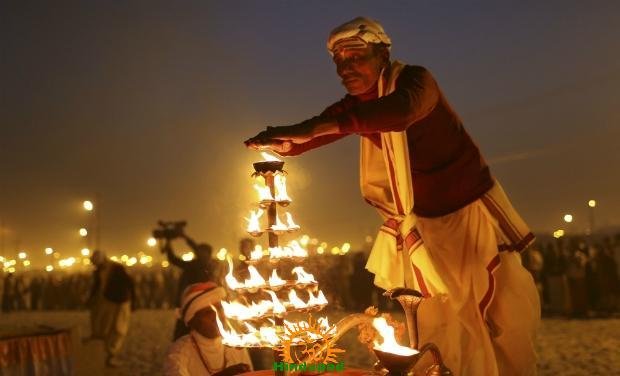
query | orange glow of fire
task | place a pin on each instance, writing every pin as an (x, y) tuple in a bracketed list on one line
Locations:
[(389, 341), (291, 225), (302, 276), (275, 280), (253, 221), (264, 194), (280, 185)]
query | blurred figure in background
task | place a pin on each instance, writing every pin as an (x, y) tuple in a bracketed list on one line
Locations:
[(110, 304), (198, 269)]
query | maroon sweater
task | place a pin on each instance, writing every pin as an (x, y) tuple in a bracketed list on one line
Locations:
[(447, 169)]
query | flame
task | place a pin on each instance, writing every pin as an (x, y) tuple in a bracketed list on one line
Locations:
[(231, 281), (275, 280), (264, 194), (298, 250), (268, 157), (295, 301), (291, 225), (278, 307), (239, 311), (256, 280), (265, 336), (302, 276), (318, 300), (253, 223), (280, 185), (279, 226), (389, 341), (257, 253)]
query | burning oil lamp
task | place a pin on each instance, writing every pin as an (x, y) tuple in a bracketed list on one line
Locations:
[(399, 360)]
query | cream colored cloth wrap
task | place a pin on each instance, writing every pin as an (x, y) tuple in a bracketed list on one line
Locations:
[(482, 308)]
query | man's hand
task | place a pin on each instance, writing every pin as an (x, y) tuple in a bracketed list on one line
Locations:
[(281, 139)]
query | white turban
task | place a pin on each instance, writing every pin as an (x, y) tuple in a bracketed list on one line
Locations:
[(357, 33), (199, 296)]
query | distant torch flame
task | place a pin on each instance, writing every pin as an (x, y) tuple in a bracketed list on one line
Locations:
[(389, 341), (318, 300)]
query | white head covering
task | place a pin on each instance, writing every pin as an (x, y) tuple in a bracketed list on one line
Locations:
[(357, 33), (199, 296)]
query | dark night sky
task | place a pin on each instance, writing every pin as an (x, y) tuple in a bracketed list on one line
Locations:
[(147, 105)]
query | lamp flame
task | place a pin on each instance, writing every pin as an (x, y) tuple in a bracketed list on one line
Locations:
[(302, 276), (280, 184), (291, 225), (257, 253), (279, 226), (278, 307), (295, 301), (256, 280), (389, 341), (231, 281), (253, 221), (268, 157), (275, 280), (264, 193)]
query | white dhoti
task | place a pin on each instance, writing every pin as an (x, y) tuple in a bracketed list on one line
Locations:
[(485, 321), (482, 307), (110, 322)]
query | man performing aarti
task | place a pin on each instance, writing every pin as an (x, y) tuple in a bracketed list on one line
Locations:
[(449, 229)]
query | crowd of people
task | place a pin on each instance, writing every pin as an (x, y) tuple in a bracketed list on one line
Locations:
[(577, 276)]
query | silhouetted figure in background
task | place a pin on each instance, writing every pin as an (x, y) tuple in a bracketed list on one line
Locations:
[(199, 269), (8, 299), (110, 304)]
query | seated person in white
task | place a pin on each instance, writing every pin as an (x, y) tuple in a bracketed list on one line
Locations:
[(201, 352)]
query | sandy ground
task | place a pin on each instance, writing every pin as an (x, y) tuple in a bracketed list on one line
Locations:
[(566, 347)]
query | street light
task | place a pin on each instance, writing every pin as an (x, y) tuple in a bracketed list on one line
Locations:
[(85, 252), (83, 232), (88, 205), (151, 242), (592, 205), (49, 250), (568, 218)]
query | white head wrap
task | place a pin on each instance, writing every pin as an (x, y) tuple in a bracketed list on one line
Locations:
[(199, 296), (357, 33)]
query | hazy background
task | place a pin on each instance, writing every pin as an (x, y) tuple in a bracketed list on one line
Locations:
[(146, 104)]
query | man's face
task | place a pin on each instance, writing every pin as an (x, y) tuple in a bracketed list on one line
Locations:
[(359, 69), (205, 323)]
